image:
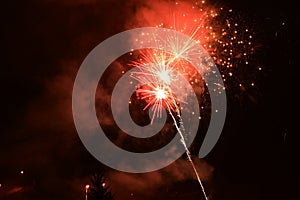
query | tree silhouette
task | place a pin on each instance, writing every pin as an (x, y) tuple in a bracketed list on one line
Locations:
[(99, 189)]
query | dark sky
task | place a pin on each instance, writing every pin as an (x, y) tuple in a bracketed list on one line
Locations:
[(43, 45)]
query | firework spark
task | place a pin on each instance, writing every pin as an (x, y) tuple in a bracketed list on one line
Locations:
[(158, 97), (229, 43)]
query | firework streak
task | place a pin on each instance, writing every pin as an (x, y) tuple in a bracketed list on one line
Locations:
[(155, 75)]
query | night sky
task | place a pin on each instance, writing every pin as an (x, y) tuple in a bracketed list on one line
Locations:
[(41, 156)]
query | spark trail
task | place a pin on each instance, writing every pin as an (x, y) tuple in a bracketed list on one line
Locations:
[(187, 150)]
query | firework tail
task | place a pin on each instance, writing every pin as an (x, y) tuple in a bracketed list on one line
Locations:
[(182, 140)]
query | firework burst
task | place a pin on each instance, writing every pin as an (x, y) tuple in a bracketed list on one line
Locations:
[(223, 32), (228, 42)]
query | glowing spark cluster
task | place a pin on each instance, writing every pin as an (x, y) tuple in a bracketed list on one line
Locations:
[(157, 71), (158, 97)]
